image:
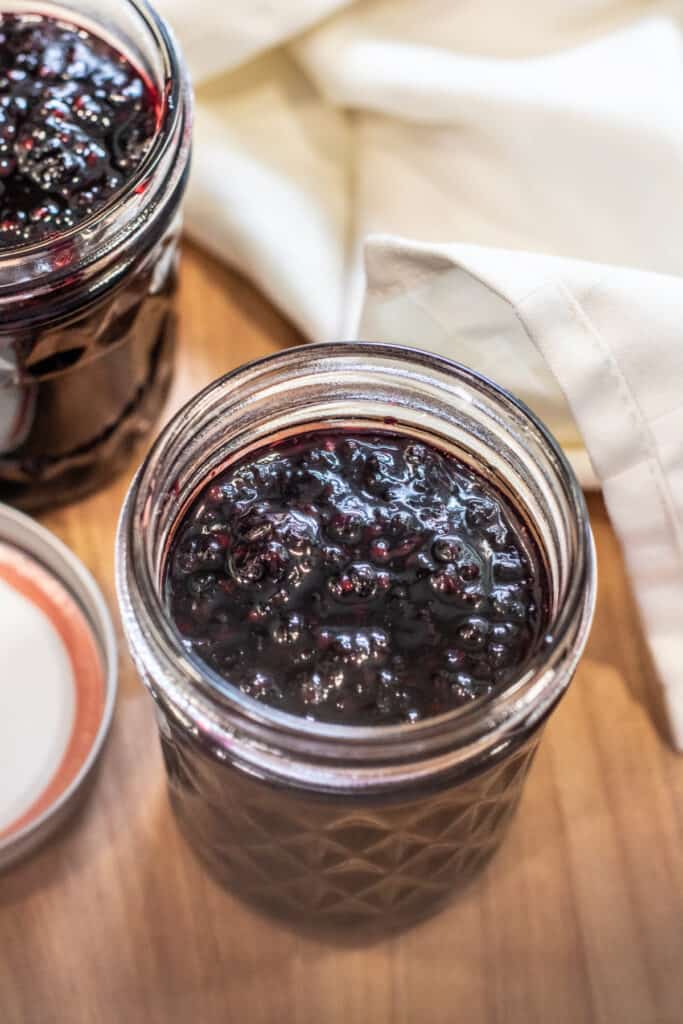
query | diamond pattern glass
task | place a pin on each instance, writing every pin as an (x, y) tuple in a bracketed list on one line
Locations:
[(88, 388), (334, 858)]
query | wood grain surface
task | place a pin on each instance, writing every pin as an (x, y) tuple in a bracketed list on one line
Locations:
[(578, 919)]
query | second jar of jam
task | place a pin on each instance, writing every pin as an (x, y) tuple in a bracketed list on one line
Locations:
[(95, 122)]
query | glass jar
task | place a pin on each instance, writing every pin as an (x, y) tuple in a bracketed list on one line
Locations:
[(87, 327), (344, 824)]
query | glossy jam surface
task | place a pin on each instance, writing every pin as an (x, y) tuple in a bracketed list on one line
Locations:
[(357, 578), (76, 119)]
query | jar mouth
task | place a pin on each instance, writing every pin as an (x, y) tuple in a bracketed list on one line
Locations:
[(174, 98), (157, 645)]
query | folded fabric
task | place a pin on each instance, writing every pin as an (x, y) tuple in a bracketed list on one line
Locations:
[(218, 37), (596, 327), (540, 126)]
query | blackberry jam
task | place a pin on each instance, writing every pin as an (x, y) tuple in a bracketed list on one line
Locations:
[(76, 120), (94, 150), (356, 577), (356, 580)]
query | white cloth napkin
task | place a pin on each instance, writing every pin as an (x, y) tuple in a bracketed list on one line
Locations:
[(612, 338), (531, 153)]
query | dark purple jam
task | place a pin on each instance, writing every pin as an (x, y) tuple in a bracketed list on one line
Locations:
[(76, 119), (357, 578)]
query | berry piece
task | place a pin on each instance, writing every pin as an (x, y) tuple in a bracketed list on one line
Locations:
[(63, 161)]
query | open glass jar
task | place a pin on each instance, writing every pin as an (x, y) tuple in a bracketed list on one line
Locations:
[(348, 824), (86, 318)]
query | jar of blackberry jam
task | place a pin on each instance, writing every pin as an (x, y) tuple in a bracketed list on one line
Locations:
[(95, 120), (356, 580)]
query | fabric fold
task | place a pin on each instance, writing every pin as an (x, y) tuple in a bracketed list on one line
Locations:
[(611, 339)]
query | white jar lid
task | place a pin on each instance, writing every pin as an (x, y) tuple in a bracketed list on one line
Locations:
[(57, 681)]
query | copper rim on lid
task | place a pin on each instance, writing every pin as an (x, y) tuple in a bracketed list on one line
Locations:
[(52, 586)]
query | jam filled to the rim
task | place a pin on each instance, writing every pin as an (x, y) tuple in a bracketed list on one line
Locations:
[(356, 577), (76, 120)]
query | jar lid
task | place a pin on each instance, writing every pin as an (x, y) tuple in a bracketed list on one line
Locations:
[(57, 685)]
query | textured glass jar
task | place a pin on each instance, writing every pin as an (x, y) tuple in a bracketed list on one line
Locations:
[(344, 824), (87, 327)]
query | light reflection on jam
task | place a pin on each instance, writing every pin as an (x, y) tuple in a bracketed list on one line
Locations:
[(356, 577)]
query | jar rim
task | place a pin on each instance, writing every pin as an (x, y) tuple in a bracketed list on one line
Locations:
[(527, 699), (175, 98)]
